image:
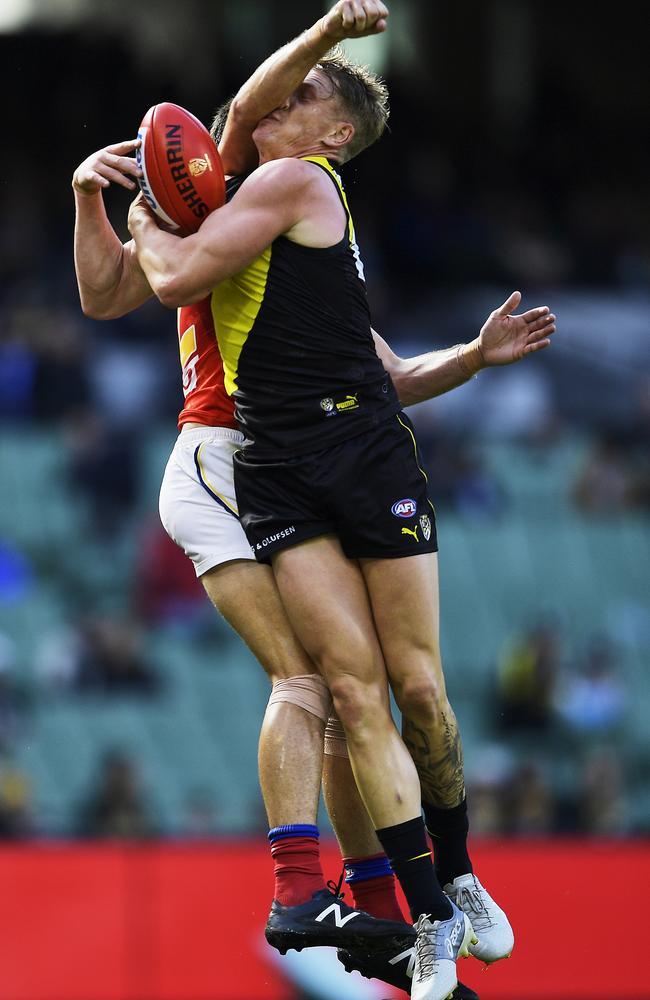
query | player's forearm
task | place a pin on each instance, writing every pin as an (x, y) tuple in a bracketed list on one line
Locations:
[(268, 87), (279, 75), (428, 375), (168, 264), (98, 255)]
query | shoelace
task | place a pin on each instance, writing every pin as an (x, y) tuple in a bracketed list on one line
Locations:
[(426, 946), (335, 887), (471, 898)]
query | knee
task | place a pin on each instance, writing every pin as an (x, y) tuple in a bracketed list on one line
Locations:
[(358, 704), (422, 697)]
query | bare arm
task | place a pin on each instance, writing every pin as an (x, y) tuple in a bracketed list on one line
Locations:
[(503, 340), (110, 280), (286, 196), (280, 74)]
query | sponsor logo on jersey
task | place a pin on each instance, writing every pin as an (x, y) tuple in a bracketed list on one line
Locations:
[(198, 165), (414, 532), (275, 538), (331, 407), (404, 508), (425, 524)]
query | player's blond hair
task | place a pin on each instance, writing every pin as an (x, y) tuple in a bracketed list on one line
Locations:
[(363, 95)]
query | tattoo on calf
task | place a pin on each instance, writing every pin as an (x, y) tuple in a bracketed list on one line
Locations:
[(438, 757)]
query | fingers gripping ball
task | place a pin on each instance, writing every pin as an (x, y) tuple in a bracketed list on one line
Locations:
[(182, 175)]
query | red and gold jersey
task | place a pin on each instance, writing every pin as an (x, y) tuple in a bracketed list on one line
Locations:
[(206, 400)]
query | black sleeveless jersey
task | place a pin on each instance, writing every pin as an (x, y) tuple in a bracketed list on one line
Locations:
[(293, 330)]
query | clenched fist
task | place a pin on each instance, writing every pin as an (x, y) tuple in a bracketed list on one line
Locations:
[(354, 19)]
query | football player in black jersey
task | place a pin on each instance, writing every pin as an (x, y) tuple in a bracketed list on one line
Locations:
[(356, 401)]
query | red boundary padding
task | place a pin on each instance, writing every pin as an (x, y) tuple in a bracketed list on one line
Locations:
[(185, 921)]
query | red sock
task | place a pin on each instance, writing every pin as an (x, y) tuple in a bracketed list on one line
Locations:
[(374, 895), (298, 874)]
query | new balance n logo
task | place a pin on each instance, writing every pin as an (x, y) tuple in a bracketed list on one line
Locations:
[(339, 919), (408, 955)]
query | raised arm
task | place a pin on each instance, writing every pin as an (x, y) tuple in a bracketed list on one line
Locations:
[(111, 282), (503, 340), (280, 74)]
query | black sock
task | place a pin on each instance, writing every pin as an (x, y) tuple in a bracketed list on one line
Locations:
[(448, 830), (410, 858)]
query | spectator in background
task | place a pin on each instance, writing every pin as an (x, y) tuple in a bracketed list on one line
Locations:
[(167, 591), (606, 483), (526, 676), (593, 700), (57, 658), (488, 812), (116, 807), (112, 660), (16, 820), (602, 808), (61, 388), (200, 820), (102, 469), (530, 802), (14, 699)]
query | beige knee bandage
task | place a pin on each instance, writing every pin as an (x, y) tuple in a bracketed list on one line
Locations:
[(309, 692), (336, 744)]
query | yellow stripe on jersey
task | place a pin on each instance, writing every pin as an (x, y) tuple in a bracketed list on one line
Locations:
[(235, 304), (415, 448), (187, 344)]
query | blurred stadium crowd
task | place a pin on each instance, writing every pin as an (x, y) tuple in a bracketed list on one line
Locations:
[(127, 708)]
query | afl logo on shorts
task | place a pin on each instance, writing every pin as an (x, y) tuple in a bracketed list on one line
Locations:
[(404, 508)]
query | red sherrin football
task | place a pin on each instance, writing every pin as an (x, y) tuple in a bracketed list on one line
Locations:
[(183, 177)]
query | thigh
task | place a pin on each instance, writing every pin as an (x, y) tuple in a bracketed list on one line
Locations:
[(404, 599), (245, 593), (279, 506), (327, 602), (197, 503), (378, 488)]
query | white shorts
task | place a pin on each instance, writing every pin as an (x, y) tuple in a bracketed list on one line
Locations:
[(197, 502)]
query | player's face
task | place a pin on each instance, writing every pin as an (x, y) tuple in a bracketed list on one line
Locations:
[(306, 116)]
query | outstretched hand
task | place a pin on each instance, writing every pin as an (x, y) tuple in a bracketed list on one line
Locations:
[(110, 165), (355, 19), (505, 338)]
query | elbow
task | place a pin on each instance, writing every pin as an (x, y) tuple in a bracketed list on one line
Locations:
[(240, 111), (173, 293), (95, 309), (168, 295)]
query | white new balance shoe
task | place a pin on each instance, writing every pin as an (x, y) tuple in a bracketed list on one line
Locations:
[(495, 937), (437, 946)]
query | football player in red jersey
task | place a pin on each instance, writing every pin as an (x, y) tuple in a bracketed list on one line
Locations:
[(199, 479)]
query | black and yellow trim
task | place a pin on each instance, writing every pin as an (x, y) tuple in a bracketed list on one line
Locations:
[(417, 457)]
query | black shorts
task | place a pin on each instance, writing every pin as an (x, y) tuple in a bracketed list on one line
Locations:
[(370, 491)]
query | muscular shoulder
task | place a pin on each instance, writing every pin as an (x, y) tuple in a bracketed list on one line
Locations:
[(303, 193), (287, 177)]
